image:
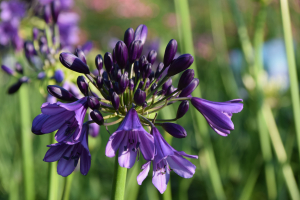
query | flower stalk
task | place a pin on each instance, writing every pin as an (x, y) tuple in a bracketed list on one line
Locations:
[(119, 181)]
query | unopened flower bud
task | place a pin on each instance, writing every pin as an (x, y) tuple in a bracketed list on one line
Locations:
[(99, 62), (19, 68), (124, 81), (93, 102), (59, 76), (83, 85), (147, 71), (174, 129), (35, 33), (55, 9), (47, 13), (117, 88), (80, 54), (14, 88), (131, 84), (141, 33), (139, 97), (60, 93), (152, 56), (170, 90), (7, 70), (134, 50), (182, 109), (115, 100), (170, 52), (97, 117), (74, 63), (190, 88), (99, 82), (142, 63), (180, 64), (154, 85), (108, 62), (144, 104), (186, 78), (41, 75), (121, 54), (167, 84), (128, 36)]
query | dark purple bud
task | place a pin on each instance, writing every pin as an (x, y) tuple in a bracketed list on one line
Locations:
[(159, 69), (147, 83), (144, 104), (141, 33), (139, 97), (14, 88), (19, 68), (190, 88), (73, 63), (147, 71), (99, 82), (108, 62), (60, 93), (118, 74), (136, 67), (55, 9), (7, 70), (59, 76), (151, 77), (83, 85), (134, 50), (93, 102), (174, 129), (128, 36), (99, 62), (114, 57), (124, 81), (79, 53), (167, 84), (47, 13), (117, 88), (152, 56), (97, 117), (131, 84), (186, 78), (115, 100), (121, 54), (108, 83), (35, 33), (142, 63), (182, 109), (180, 64), (170, 52), (29, 50), (41, 75), (170, 90), (154, 85), (105, 75)]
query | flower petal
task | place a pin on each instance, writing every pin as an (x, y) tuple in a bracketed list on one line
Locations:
[(55, 152), (56, 121), (85, 161), (126, 156), (141, 177), (113, 143), (160, 180), (181, 166), (146, 145), (38, 122), (74, 105), (162, 148)]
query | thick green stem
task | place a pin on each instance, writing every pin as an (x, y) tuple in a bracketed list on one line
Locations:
[(26, 135), (53, 176), (288, 38), (119, 181), (185, 32), (67, 187)]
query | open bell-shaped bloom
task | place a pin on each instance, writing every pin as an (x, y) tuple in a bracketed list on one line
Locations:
[(66, 117), (218, 114), (166, 159), (69, 155), (130, 138)]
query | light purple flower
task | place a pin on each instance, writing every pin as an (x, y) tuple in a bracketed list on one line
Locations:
[(59, 76), (94, 128), (68, 29), (66, 117), (166, 159), (12, 9), (130, 138), (218, 114), (65, 4), (69, 155)]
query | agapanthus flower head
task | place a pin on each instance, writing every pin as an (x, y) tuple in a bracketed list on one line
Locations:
[(133, 90)]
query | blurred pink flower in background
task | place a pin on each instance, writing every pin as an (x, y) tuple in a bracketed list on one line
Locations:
[(204, 46), (123, 8)]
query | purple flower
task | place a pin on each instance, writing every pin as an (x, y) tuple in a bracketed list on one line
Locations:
[(166, 159), (67, 118), (12, 9), (69, 155), (94, 128), (130, 138), (218, 114), (68, 29), (59, 76)]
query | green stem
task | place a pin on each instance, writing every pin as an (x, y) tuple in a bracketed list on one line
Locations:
[(26, 135), (67, 187), (119, 181), (288, 38), (53, 176), (185, 31)]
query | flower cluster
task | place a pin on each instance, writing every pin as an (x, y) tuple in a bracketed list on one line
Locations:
[(41, 52), (131, 91)]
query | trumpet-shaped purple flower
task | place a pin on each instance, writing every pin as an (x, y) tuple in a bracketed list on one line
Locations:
[(69, 155), (166, 159), (66, 117), (218, 114), (130, 138)]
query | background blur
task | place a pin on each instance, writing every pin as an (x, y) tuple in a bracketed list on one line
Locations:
[(239, 156)]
